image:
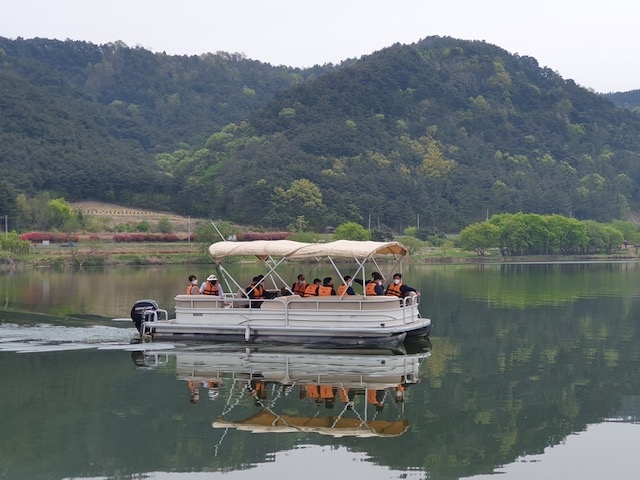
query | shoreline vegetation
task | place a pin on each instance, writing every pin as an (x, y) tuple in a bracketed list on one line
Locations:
[(112, 235), (184, 253)]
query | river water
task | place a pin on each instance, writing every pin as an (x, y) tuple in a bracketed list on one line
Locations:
[(532, 371)]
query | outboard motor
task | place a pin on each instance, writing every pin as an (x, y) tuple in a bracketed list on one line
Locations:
[(139, 311)]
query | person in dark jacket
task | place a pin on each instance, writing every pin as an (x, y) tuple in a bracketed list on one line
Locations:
[(399, 289)]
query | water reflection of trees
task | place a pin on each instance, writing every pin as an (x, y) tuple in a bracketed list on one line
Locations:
[(515, 382), (506, 378)]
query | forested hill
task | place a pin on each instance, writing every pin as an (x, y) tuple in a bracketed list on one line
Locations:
[(630, 99), (444, 130), (85, 120)]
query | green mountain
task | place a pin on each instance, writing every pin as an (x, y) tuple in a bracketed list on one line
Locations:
[(443, 131), (630, 99), (85, 121)]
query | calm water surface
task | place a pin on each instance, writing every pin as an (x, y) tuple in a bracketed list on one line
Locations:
[(533, 371)]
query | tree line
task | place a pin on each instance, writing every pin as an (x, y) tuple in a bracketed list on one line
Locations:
[(534, 234)]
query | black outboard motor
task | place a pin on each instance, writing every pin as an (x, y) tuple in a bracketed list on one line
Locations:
[(139, 310)]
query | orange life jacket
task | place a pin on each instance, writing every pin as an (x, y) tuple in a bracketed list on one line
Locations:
[(326, 391), (343, 392), (371, 396), (190, 289), (311, 290), (299, 289), (324, 291), (370, 288), (342, 289), (211, 289), (313, 391), (258, 291), (394, 290)]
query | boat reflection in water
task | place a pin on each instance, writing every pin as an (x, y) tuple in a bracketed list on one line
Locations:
[(283, 390)]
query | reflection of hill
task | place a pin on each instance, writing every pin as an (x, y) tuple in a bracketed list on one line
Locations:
[(510, 383), (629, 411), (500, 383)]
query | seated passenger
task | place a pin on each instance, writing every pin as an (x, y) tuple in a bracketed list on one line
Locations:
[(192, 288), (326, 289), (374, 286), (299, 287), (399, 289), (255, 291), (312, 290), (347, 286)]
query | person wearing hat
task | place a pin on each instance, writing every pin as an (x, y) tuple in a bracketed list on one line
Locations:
[(211, 286)]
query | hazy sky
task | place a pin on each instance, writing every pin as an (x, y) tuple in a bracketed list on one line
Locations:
[(593, 42)]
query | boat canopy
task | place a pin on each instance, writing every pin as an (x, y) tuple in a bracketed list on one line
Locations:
[(299, 250), (260, 248), (266, 421)]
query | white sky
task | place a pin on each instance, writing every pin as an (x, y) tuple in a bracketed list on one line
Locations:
[(593, 42)]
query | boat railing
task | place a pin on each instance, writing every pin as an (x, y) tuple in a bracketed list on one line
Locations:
[(351, 302), (405, 307), (158, 315)]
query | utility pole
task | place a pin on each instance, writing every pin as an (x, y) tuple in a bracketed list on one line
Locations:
[(6, 228)]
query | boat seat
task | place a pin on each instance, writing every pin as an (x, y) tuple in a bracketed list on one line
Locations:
[(242, 302)]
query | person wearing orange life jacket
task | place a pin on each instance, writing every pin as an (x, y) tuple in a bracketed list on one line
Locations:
[(299, 287), (255, 291), (211, 286), (376, 397), (347, 396), (326, 289), (194, 391), (399, 289), (374, 286), (312, 290), (192, 288), (347, 285)]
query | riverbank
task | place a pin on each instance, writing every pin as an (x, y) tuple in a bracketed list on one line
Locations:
[(185, 253)]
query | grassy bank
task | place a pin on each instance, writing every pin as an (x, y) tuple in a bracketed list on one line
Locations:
[(111, 253), (107, 253)]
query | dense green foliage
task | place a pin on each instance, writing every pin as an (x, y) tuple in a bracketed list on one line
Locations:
[(446, 130), (85, 121), (630, 100), (533, 234)]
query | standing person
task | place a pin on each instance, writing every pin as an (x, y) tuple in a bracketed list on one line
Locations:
[(374, 286), (312, 290), (327, 288), (347, 285), (399, 289), (192, 288), (211, 286), (299, 287)]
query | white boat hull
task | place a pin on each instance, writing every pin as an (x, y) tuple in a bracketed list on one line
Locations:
[(355, 320)]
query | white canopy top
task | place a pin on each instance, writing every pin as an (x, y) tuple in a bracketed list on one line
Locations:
[(298, 250)]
